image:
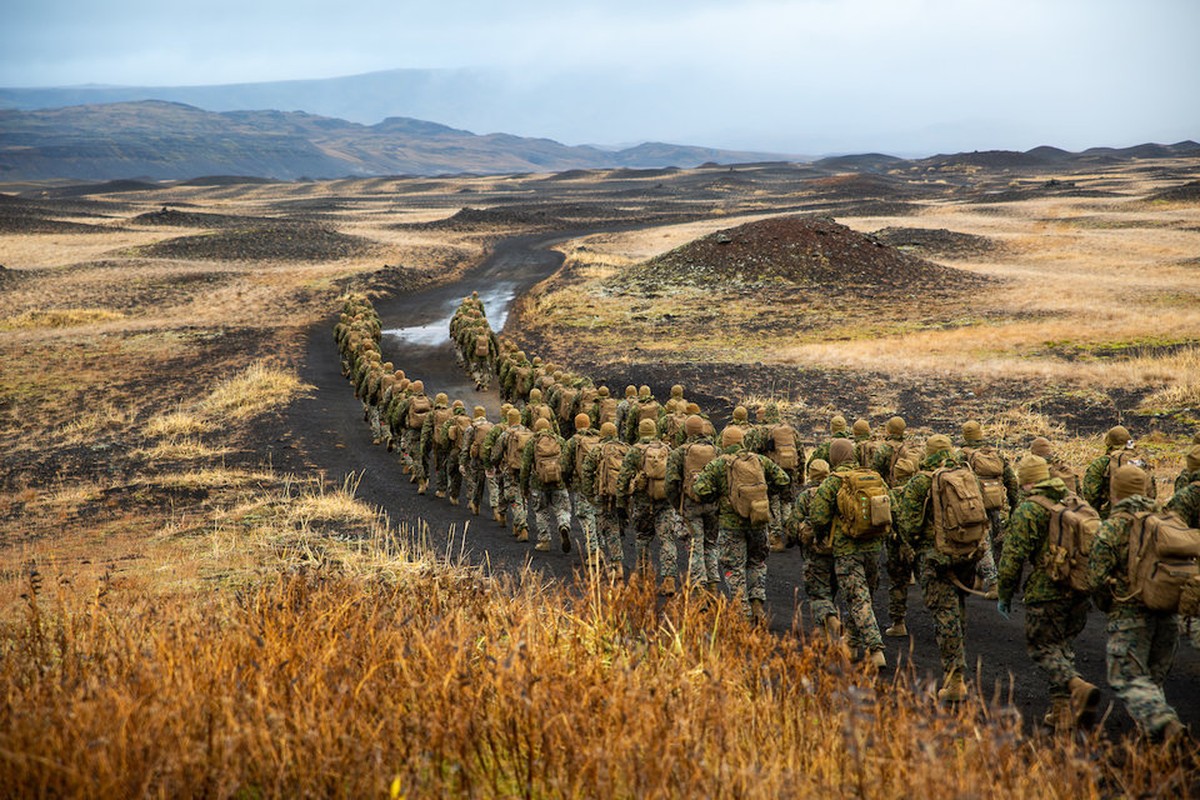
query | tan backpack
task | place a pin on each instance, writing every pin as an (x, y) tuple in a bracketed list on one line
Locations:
[(612, 455), (1163, 560), (648, 410), (988, 466), (458, 430), (674, 425), (782, 448), (418, 409), (523, 382), (440, 417), (748, 488), (482, 429), (899, 451), (696, 457), (483, 344), (1065, 474), (865, 451), (654, 468), (1120, 459), (514, 446), (608, 411), (584, 445), (960, 520), (566, 404), (864, 504), (547, 459), (1072, 529)]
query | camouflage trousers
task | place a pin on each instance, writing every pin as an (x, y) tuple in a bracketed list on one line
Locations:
[(700, 528), (744, 563), (410, 452), (1141, 648), (441, 468), (986, 566), (474, 479), (947, 605), (514, 500), (585, 512), (551, 511), (1050, 631), (454, 476), (652, 519), (775, 523), (481, 373), (900, 573), (608, 532), (820, 585), (858, 576), (373, 417)]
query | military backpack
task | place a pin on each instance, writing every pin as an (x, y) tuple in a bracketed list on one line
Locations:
[(899, 451), (514, 446), (566, 404), (696, 456), (482, 429), (483, 345), (654, 468), (585, 443), (1164, 562), (547, 458), (648, 410), (607, 411), (748, 488), (441, 415), (988, 466), (864, 505), (418, 409), (458, 428), (1071, 530), (612, 455), (781, 446), (960, 520), (1121, 458)]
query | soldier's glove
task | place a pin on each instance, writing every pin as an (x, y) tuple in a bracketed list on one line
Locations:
[(1004, 607)]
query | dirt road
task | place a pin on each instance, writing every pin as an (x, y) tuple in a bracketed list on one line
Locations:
[(331, 436)]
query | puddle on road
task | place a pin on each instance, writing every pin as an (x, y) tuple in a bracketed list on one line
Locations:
[(496, 302)]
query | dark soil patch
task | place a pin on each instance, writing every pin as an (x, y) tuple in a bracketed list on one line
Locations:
[(21, 215), (803, 251), (472, 219), (290, 241), (1051, 188), (937, 241), (170, 217), (1186, 193), (878, 208)]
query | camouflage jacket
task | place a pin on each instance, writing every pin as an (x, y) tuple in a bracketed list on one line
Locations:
[(675, 465), (591, 470), (914, 517), (713, 483), (1095, 484), (826, 520), (1186, 500), (822, 450), (429, 433), (882, 463), (573, 476), (631, 468), (529, 478), (800, 512), (465, 459), (1009, 476), (490, 451), (1185, 478), (1028, 540), (1108, 564)]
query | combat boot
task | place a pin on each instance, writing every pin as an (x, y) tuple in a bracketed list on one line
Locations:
[(439, 494), (564, 533), (898, 631), (1059, 717), (776, 542), (878, 659), (523, 536), (541, 547), (667, 587), (1085, 697), (833, 627), (422, 486), (953, 690), (758, 613)]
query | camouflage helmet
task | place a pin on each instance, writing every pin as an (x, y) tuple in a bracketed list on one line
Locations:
[(937, 443), (514, 416), (643, 392), (972, 431), (677, 391), (630, 391), (896, 426), (417, 386), (1032, 469), (740, 414), (480, 412), (458, 405), (399, 375), (1117, 436), (535, 395), (389, 366), (440, 399), (837, 424), (602, 391), (519, 355), (818, 470), (861, 428), (541, 424), (694, 425), (732, 435)]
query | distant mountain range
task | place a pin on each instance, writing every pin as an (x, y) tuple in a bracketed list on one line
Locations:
[(158, 140)]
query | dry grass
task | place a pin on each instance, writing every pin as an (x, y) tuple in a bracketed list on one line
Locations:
[(59, 318), (258, 389)]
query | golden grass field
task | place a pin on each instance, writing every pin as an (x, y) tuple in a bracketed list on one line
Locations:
[(178, 617)]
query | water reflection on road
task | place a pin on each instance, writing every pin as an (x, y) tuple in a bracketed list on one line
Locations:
[(496, 302)]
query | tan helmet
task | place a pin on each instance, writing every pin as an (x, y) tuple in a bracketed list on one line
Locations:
[(643, 392), (440, 399), (937, 443), (694, 426), (903, 469), (972, 431), (740, 414), (1040, 446), (1117, 436), (861, 428), (630, 391), (514, 416), (541, 424), (608, 430), (403, 384), (1128, 481), (818, 470), (537, 361), (535, 395), (1032, 469), (677, 391), (459, 404), (732, 435), (417, 386), (840, 452), (480, 412), (602, 391), (896, 426), (837, 424), (582, 422), (692, 408), (388, 366), (647, 429)]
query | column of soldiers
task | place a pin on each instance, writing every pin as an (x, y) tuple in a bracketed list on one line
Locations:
[(570, 451)]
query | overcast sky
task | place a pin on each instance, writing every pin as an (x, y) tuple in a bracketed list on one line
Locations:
[(800, 77)]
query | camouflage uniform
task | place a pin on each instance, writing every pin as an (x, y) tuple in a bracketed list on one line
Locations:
[(901, 561), (1096, 478), (454, 434), (623, 409), (491, 452), (986, 569), (1054, 613), (855, 562), (820, 575), (510, 481), (410, 440), (947, 603), (822, 450), (551, 503), (649, 518), (609, 514), (471, 465), (890, 450), (760, 441), (699, 519), (434, 449), (1186, 500), (743, 545), (585, 512), (1141, 642)]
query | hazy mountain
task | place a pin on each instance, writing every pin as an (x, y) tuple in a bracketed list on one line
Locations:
[(166, 140)]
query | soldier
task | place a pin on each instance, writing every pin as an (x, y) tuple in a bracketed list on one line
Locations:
[(483, 350), (837, 430), (999, 482), (543, 480), (1097, 480), (1191, 466), (893, 448), (901, 560), (601, 469), (535, 409), (642, 486), (387, 394), (412, 413), (740, 420), (820, 577), (855, 560), (698, 518), (507, 457), (433, 443), (579, 447), (492, 452), (1186, 500), (942, 576), (454, 432), (780, 442), (471, 462), (645, 407), (865, 447), (1054, 612), (623, 408), (605, 408), (740, 482), (1042, 448), (395, 423), (1141, 642)]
